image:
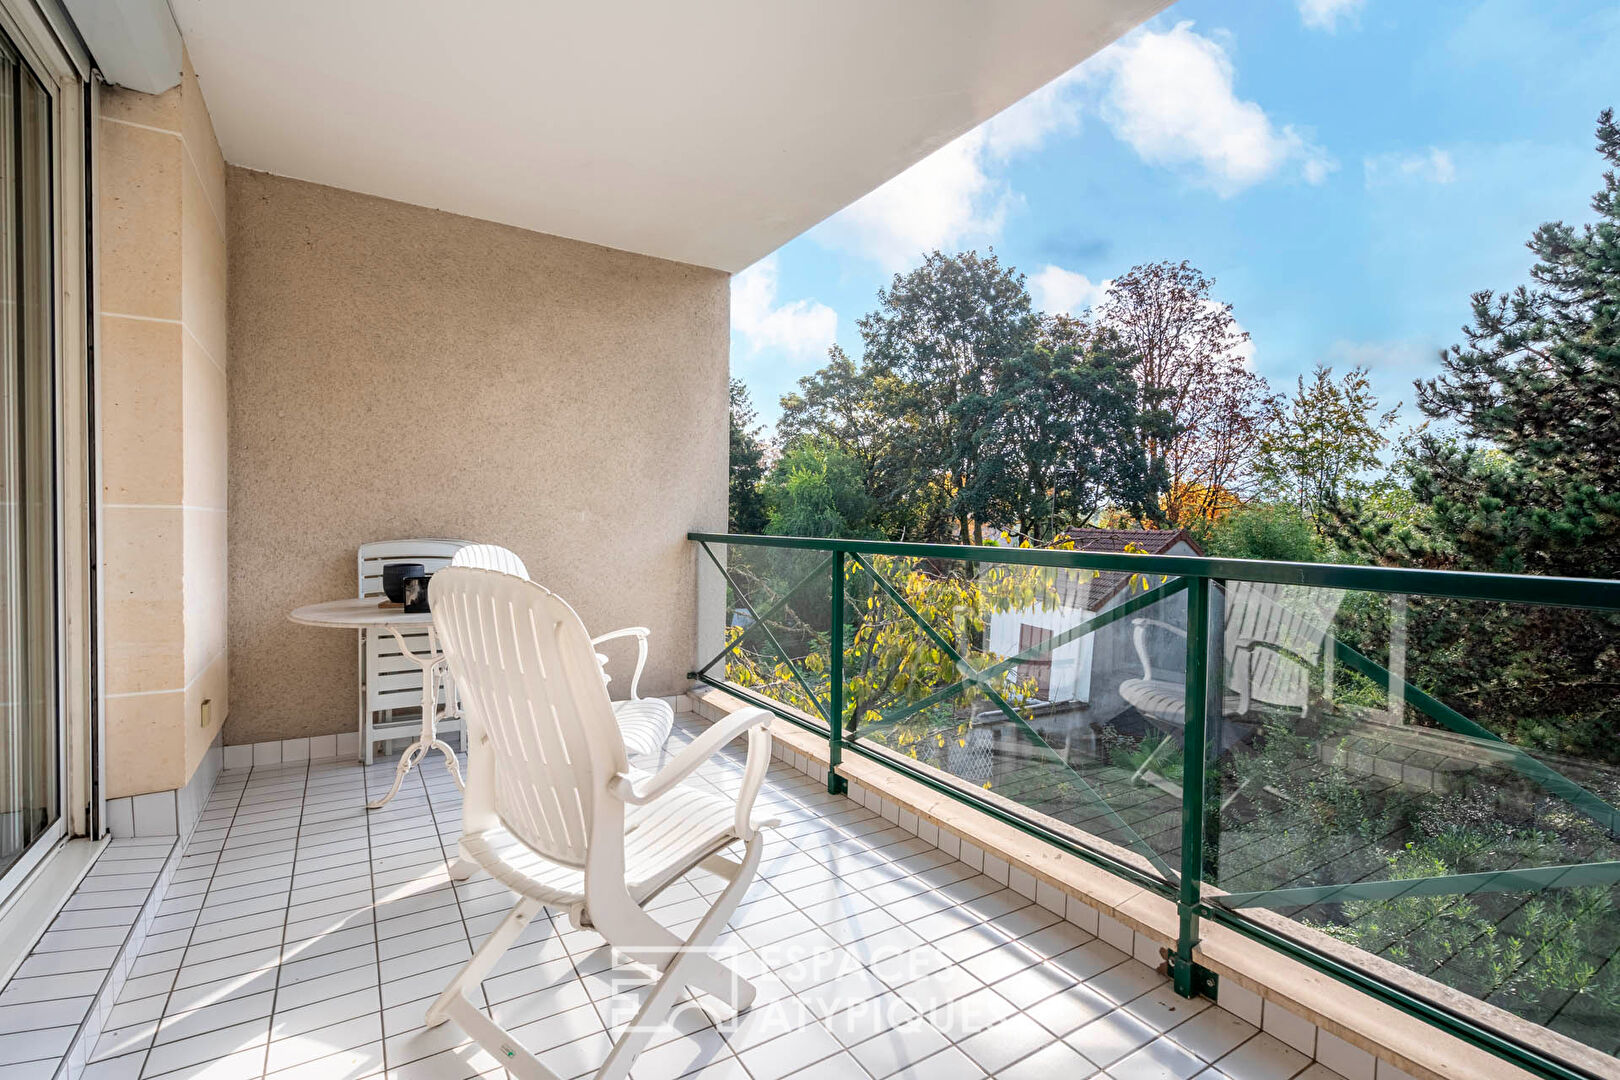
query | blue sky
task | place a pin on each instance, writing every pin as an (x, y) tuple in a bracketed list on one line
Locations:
[(1349, 171)]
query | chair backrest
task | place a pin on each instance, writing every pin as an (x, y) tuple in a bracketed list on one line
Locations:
[(527, 673), (491, 557), (1286, 629), (391, 681)]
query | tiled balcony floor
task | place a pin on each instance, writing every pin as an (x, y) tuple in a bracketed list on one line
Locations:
[(304, 937)]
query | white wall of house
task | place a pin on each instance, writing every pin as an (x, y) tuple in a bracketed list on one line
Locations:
[(1073, 663)]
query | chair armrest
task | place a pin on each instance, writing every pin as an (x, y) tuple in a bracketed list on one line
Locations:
[(640, 633), (754, 721)]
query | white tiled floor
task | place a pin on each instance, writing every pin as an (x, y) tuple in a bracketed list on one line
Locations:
[(52, 992), (304, 937)]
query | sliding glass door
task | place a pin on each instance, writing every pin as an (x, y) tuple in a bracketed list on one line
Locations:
[(31, 743)]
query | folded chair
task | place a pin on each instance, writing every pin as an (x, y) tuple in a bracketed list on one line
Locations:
[(553, 811), (388, 680), (645, 722)]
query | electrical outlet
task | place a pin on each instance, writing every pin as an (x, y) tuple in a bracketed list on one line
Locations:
[(207, 711)]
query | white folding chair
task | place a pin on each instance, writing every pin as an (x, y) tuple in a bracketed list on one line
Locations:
[(1275, 639), (553, 811), (644, 722), (389, 681)]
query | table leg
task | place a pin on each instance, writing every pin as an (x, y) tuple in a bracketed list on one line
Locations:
[(429, 739)]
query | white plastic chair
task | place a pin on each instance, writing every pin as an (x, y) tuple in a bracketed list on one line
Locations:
[(644, 722), (553, 811), (491, 557), (389, 681), (1275, 639)]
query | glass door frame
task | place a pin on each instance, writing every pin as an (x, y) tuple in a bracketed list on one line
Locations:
[(44, 38)]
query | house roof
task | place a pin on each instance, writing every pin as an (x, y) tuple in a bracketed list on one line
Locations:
[(1092, 591), (707, 133), (1150, 541)]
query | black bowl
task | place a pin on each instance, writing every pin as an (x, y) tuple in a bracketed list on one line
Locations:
[(394, 575)]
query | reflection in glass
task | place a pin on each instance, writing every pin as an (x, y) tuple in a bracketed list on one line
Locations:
[(29, 745)]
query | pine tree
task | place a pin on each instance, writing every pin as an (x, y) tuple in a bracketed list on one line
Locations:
[(1520, 472), (747, 504), (1529, 479)]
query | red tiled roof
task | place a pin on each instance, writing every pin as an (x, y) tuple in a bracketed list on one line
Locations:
[(1151, 541), (1092, 590)]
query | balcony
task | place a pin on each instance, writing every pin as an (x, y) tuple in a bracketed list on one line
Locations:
[(301, 936), (1003, 887), (299, 277), (1338, 815)]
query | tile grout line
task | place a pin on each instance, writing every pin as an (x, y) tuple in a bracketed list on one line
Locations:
[(950, 1040), (371, 876), (455, 891), (879, 853), (286, 915), (954, 1042), (168, 995)]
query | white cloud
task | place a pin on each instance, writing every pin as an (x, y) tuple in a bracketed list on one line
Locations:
[(1392, 366), (955, 197), (803, 329), (1244, 349), (946, 200), (1325, 14), (1399, 357), (1055, 289), (1026, 125), (1433, 165), (1170, 95)]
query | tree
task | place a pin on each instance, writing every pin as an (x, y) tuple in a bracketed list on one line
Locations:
[(941, 333), (1533, 485), (1257, 530), (1520, 474), (889, 660), (747, 507), (816, 489), (1063, 434), (1319, 444), (847, 406), (1202, 408)]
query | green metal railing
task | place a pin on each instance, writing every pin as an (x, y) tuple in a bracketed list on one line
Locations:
[(820, 678)]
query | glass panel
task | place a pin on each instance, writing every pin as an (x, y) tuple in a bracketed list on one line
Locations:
[(778, 618), (30, 758), (1431, 783), (993, 675)]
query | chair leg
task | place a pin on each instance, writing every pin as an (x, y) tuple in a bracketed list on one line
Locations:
[(487, 956), (687, 965), (489, 1035)]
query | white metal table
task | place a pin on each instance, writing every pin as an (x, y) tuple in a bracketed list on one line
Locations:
[(375, 615)]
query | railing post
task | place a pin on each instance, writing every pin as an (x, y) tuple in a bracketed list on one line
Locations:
[(836, 785), (1190, 979)]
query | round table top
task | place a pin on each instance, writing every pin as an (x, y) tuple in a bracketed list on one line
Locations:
[(359, 614)]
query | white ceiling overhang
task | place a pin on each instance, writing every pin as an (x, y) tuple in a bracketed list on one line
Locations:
[(706, 131)]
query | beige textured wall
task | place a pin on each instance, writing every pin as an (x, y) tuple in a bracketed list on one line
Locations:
[(162, 323), (398, 371)]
